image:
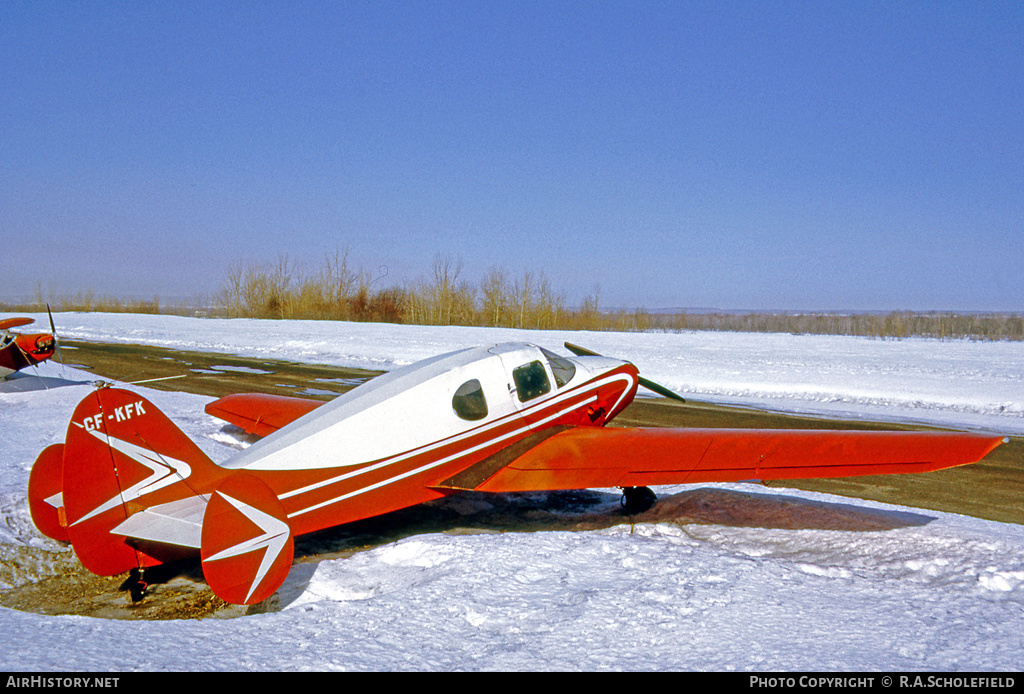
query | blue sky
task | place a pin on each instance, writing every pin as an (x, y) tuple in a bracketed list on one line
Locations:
[(741, 155)]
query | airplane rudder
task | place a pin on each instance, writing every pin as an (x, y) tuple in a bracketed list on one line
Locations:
[(130, 420), (46, 493), (247, 543), (122, 455)]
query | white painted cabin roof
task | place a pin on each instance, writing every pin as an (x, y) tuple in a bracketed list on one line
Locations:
[(395, 412)]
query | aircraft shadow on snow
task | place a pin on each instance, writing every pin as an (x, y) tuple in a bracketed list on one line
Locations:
[(26, 382), (578, 511)]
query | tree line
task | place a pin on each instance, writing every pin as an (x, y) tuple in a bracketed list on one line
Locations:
[(337, 290)]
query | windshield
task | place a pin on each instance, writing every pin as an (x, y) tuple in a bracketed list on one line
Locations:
[(562, 369), (531, 380)]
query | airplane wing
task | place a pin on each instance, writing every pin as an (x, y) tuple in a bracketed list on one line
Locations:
[(259, 413), (14, 322), (587, 457)]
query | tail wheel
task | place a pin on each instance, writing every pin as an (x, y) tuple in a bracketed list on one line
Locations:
[(136, 585)]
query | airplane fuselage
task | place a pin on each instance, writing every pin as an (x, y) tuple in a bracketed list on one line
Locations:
[(396, 440), (20, 350)]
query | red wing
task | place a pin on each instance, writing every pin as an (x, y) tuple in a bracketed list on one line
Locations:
[(14, 322), (258, 413), (633, 457)]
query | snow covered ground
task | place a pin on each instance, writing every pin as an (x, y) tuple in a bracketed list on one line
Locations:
[(782, 580)]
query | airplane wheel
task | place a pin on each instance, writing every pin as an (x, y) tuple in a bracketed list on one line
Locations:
[(136, 585), (637, 499)]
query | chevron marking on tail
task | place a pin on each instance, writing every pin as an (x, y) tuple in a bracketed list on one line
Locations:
[(273, 539), (166, 471)]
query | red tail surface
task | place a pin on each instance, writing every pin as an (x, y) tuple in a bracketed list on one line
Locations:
[(247, 545), (122, 456), (130, 490), (45, 493)]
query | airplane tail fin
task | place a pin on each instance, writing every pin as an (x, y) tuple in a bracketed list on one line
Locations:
[(121, 456), (45, 493), (247, 544), (129, 490)]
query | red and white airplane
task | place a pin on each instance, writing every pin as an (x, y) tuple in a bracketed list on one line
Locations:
[(129, 490), (18, 350)]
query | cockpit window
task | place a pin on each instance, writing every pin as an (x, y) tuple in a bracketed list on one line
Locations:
[(469, 402), (531, 380), (562, 368)]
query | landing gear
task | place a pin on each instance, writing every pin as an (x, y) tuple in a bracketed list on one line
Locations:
[(637, 500), (136, 585)]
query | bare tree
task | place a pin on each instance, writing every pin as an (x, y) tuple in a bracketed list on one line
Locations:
[(495, 290)]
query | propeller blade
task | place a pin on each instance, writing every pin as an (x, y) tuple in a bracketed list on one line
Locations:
[(56, 341), (661, 390), (580, 351), (645, 382)]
